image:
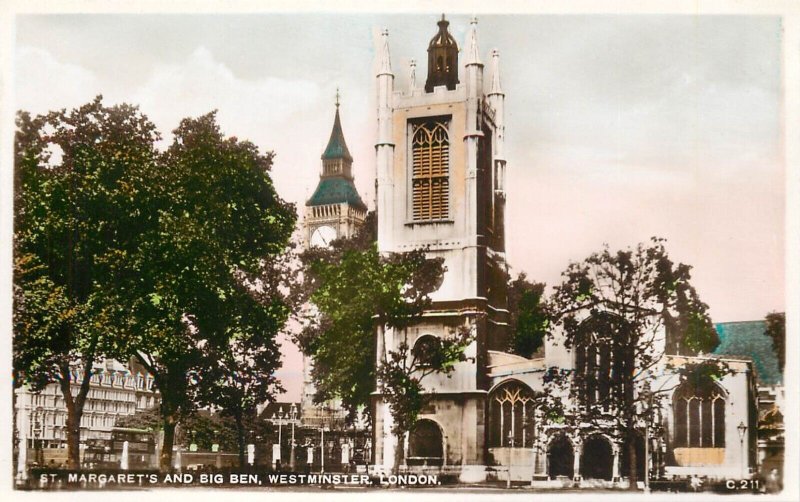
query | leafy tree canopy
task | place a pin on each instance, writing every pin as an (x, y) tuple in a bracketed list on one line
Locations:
[(621, 313), (529, 318)]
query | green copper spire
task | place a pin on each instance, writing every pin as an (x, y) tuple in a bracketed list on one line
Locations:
[(336, 180), (337, 148)]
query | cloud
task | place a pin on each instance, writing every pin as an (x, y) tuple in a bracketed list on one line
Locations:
[(43, 83)]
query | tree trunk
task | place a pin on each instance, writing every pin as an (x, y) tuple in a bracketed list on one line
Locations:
[(632, 461), (74, 437), (75, 407), (240, 439), (165, 458), (399, 453)]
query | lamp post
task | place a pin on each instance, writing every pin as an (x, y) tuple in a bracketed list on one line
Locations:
[(510, 446), (648, 419), (322, 449), (742, 430), (37, 433), (293, 417), (277, 417)]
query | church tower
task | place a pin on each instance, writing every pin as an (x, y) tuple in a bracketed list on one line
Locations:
[(334, 210), (439, 173)]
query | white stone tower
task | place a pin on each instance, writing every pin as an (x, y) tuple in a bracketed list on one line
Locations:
[(439, 171)]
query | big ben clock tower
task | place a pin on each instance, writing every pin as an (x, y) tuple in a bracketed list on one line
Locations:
[(335, 209)]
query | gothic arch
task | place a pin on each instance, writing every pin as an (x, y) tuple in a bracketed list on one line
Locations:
[(425, 443), (512, 414), (699, 411), (560, 457), (425, 347), (597, 459)]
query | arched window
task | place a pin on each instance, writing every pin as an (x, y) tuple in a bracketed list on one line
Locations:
[(699, 415), (596, 367), (430, 173), (512, 415), (426, 350), (425, 444)]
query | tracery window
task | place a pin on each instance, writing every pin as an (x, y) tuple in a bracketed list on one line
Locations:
[(512, 415), (699, 415), (430, 170), (595, 368)]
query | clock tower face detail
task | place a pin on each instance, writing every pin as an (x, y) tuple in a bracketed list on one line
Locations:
[(440, 170), (335, 209), (322, 236)]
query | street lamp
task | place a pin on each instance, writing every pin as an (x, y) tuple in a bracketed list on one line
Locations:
[(37, 432), (742, 430), (322, 448), (293, 417), (510, 446)]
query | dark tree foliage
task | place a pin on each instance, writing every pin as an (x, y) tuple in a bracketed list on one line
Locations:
[(207, 429), (148, 419), (76, 206), (184, 293), (776, 330), (243, 358), (529, 319), (627, 310)]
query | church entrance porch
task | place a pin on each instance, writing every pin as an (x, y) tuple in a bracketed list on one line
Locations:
[(560, 459), (425, 445), (598, 459)]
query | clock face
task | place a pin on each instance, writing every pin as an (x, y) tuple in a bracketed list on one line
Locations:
[(323, 236)]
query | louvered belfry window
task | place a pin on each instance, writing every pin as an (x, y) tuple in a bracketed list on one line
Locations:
[(430, 179)]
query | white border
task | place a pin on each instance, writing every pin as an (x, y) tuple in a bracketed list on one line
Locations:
[(789, 10)]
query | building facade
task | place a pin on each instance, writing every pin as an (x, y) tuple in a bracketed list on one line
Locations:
[(440, 170), (115, 391)]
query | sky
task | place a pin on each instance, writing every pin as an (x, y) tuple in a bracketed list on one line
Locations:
[(619, 128)]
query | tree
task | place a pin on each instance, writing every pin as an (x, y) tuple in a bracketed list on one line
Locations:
[(627, 310), (529, 318), (352, 290), (76, 177), (776, 330), (244, 358), (336, 318), (145, 419), (218, 218)]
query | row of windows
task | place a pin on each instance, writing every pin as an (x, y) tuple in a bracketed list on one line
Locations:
[(698, 416)]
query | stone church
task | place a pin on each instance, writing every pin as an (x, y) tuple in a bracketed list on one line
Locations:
[(440, 174)]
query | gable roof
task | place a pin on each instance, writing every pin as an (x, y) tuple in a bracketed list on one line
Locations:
[(749, 338)]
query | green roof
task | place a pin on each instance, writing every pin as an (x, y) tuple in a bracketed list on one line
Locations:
[(749, 338), (336, 190), (337, 148)]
